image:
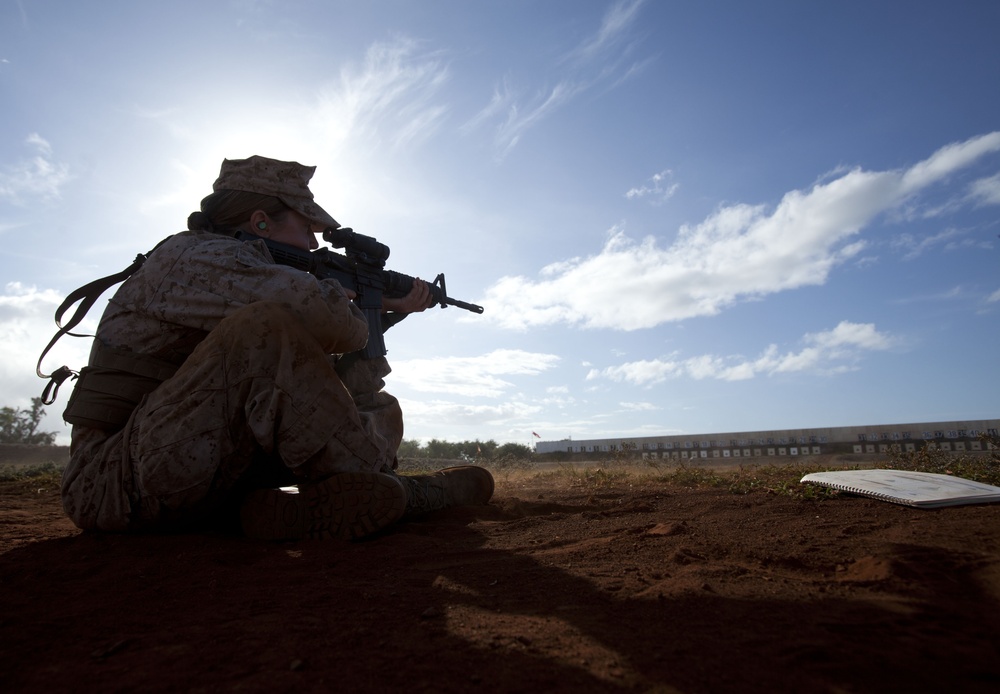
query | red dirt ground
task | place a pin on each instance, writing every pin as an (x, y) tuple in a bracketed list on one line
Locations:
[(557, 586)]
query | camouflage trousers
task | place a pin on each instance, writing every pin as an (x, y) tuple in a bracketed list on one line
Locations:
[(256, 404)]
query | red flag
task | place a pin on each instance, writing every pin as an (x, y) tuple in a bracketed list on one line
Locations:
[(535, 435)]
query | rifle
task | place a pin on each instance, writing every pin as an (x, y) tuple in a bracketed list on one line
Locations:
[(360, 269)]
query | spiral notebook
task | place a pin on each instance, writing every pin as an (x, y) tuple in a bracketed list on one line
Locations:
[(920, 489)]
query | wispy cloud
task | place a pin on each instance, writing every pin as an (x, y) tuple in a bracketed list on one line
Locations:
[(481, 376), (613, 32), (831, 350), (950, 239), (603, 58), (391, 95), (957, 292), (638, 406), (986, 191), (658, 188), (740, 252), (24, 15), (390, 101), (947, 160), (34, 178), (518, 120)]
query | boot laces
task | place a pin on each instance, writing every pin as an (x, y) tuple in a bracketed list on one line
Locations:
[(422, 495)]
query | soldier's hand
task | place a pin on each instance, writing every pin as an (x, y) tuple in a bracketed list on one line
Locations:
[(417, 300)]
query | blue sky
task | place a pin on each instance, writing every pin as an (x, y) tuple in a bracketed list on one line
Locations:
[(681, 217)]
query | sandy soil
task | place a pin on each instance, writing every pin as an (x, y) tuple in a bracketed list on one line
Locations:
[(560, 585)]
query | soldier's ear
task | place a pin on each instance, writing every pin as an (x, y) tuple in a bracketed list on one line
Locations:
[(259, 220)]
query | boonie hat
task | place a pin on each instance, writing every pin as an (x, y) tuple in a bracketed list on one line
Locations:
[(286, 180)]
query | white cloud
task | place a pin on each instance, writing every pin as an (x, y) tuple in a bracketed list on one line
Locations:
[(848, 335), (986, 191), (640, 372), (947, 160), (26, 326), (466, 421), (42, 145), (436, 411), (37, 177), (994, 297), (638, 406), (740, 252), (480, 376), (831, 350), (659, 188)]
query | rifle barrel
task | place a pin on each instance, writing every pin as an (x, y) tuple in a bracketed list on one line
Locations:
[(475, 308)]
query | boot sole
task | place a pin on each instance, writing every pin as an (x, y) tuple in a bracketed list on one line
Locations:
[(347, 506)]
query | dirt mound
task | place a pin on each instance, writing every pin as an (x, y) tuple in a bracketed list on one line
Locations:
[(557, 586)]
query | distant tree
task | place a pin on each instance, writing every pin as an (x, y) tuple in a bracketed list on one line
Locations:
[(410, 448), (479, 449), (464, 450), (436, 448), (20, 425), (517, 450)]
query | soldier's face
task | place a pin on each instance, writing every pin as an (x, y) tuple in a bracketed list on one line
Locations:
[(295, 230)]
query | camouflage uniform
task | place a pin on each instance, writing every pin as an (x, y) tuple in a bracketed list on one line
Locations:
[(257, 399)]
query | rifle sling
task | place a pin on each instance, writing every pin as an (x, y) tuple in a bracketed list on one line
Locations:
[(87, 295)]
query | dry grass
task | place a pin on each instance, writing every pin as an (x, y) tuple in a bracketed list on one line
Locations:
[(621, 469), (783, 479), (979, 467)]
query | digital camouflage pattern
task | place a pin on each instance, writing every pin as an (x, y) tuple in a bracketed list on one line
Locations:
[(286, 180), (258, 399)]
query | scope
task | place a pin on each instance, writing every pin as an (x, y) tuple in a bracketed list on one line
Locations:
[(356, 244)]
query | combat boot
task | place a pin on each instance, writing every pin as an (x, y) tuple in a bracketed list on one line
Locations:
[(348, 506), (466, 485)]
